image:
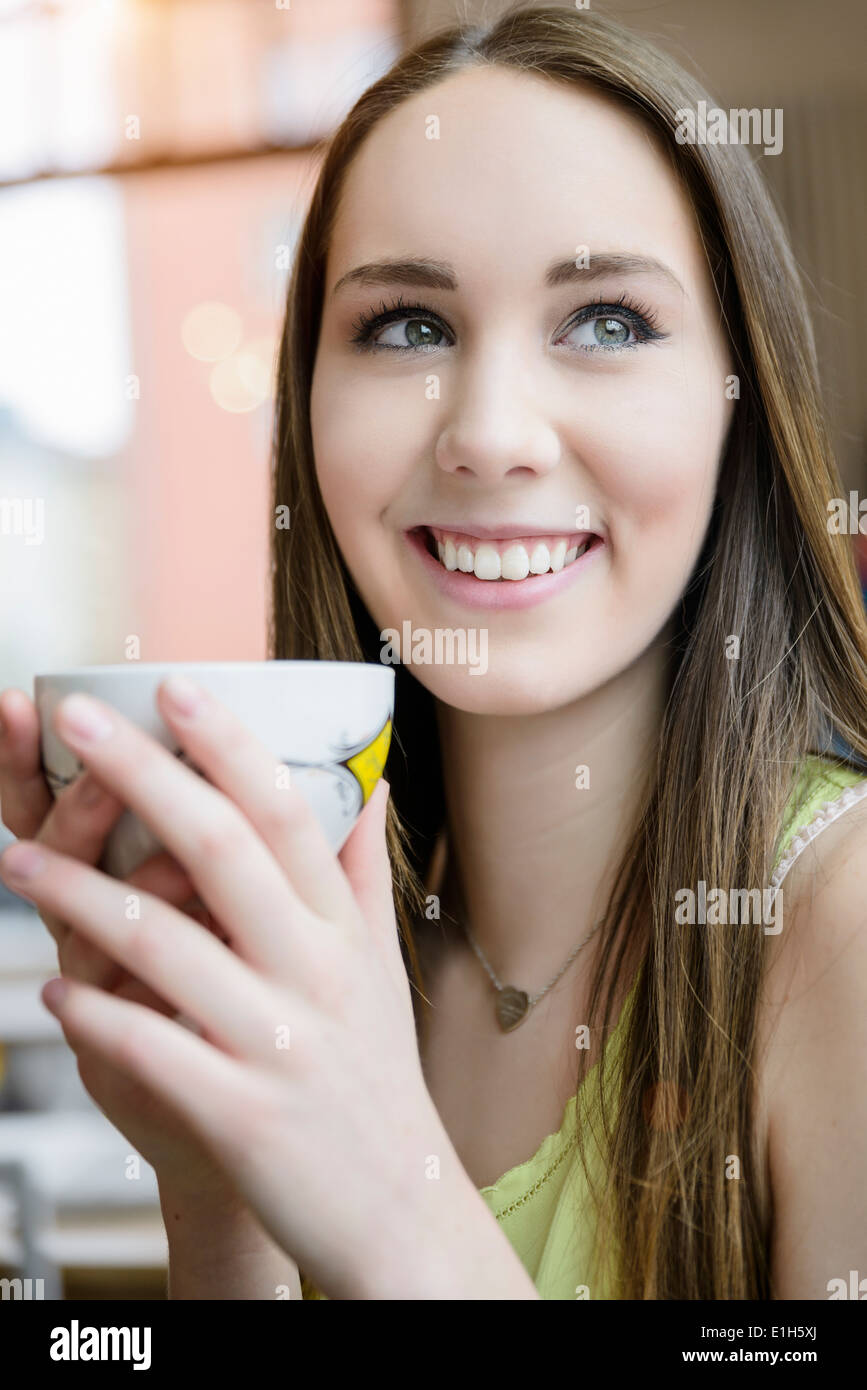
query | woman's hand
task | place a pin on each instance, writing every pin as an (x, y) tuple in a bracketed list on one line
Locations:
[(77, 824), (305, 1083)]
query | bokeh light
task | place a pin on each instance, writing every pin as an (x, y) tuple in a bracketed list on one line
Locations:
[(230, 389), (257, 364), (211, 331)]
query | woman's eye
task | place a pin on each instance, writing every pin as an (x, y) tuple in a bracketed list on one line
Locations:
[(602, 332), (409, 333), (412, 328)]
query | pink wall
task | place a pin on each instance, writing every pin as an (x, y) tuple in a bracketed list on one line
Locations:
[(198, 475)]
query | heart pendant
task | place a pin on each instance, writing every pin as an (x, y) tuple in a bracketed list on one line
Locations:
[(511, 1008)]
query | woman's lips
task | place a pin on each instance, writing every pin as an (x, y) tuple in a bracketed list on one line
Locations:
[(470, 592)]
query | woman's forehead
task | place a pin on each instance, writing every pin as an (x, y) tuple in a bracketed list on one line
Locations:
[(494, 164)]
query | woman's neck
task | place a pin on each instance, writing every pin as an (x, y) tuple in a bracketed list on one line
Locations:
[(532, 856)]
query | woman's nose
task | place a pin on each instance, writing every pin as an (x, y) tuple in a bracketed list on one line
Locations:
[(496, 428)]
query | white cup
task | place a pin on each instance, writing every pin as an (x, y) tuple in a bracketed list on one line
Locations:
[(328, 721)]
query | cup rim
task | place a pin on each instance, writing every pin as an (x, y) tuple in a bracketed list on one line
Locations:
[(150, 667)]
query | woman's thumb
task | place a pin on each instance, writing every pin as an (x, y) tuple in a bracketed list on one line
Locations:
[(365, 862)]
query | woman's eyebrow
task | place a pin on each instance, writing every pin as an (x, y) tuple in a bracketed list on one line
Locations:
[(439, 275), (605, 263), (410, 270)]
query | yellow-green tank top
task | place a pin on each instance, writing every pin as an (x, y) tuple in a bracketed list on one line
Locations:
[(544, 1205)]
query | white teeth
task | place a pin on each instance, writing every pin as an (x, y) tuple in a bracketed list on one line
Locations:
[(540, 560), (465, 559), (487, 563), (516, 563)]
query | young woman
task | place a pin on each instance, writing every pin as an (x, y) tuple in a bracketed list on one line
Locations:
[(547, 390)]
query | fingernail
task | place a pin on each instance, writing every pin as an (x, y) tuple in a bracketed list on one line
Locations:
[(83, 718), (22, 861), (54, 993), (184, 695)]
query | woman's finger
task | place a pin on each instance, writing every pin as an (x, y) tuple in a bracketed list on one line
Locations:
[(80, 819), (78, 958), (163, 877), (25, 798), (207, 1089), (238, 764), (365, 860), (77, 824), (181, 961), (234, 872)]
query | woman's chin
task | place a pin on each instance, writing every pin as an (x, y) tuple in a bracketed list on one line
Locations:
[(507, 687)]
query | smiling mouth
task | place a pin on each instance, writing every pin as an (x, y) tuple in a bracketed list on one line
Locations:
[(505, 560)]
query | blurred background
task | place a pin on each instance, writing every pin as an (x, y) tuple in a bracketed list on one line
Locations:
[(156, 158)]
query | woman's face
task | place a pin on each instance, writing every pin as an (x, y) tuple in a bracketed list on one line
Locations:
[(502, 414)]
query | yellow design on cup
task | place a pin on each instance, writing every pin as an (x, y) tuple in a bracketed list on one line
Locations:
[(367, 765)]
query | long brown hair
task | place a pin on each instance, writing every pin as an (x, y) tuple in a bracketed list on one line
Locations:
[(733, 730)]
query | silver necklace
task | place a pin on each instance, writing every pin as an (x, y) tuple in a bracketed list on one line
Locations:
[(513, 1005)]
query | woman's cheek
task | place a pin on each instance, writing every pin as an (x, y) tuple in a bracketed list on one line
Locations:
[(356, 462), (659, 453), (655, 473), (371, 404), (357, 487)]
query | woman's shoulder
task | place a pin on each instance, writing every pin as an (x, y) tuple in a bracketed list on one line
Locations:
[(813, 1036), (819, 864), (824, 790), (820, 872)]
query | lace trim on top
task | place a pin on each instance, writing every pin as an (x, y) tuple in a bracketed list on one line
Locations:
[(829, 811)]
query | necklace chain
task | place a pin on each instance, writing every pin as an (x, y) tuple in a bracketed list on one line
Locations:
[(533, 998), (498, 984), (513, 1005)]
